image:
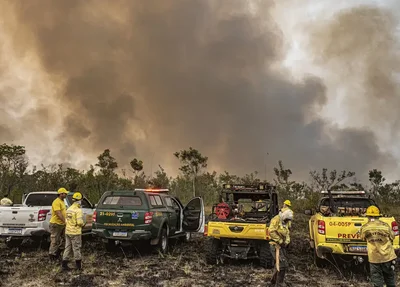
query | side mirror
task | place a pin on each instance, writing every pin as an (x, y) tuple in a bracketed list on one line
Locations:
[(308, 212)]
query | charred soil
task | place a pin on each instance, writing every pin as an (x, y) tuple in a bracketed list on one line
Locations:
[(183, 266)]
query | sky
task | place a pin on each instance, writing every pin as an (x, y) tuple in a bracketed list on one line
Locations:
[(248, 83)]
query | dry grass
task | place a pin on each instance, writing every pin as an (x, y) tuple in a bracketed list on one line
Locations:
[(183, 266)]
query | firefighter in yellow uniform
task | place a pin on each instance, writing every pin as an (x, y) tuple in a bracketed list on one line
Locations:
[(280, 239), (5, 201), (57, 224), (381, 254), (287, 205), (73, 233)]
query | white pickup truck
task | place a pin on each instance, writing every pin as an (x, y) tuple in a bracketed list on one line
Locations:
[(31, 218)]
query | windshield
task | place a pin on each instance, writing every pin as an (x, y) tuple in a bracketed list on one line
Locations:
[(40, 199), (122, 200), (346, 205), (348, 202)]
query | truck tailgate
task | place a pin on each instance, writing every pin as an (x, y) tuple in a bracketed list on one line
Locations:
[(347, 229), (119, 221), (16, 218), (238, 230)]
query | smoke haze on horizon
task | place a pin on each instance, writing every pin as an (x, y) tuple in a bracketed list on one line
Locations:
[(235, 81)]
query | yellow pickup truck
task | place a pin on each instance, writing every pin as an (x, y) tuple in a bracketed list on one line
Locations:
[(334, 227), (238, 226)]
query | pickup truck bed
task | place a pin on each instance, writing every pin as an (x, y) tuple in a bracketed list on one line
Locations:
[(31, 219)]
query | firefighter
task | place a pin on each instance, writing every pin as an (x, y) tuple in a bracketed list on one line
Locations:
[(57, 224), (381, 254), (6, 201), (73, 233), (280, 239)]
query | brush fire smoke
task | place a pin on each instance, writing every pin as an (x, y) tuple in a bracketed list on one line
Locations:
[(314, 85)]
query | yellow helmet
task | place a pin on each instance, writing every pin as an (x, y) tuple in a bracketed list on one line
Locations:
[(77, 196), (62, 190), (373, 211), (287, 202)]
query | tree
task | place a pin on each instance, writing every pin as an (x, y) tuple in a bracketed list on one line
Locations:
[(192, 164), (139, 179), (327, 181), (13, 165), (137, 165), (282, 178), (107, 165), (161, 179)]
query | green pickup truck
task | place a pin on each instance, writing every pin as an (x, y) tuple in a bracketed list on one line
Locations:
[(152, 215)]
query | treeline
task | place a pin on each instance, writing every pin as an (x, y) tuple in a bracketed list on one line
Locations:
[(193, 179)]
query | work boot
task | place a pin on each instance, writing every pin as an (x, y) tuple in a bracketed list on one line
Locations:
[(281, 276), (52, 257), (274, 278), (58, 253), (64, 265), (78, 264)]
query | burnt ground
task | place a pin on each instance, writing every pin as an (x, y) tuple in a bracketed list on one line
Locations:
[(184, 266)]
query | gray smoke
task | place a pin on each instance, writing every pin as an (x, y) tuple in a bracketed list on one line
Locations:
[(148, 78)]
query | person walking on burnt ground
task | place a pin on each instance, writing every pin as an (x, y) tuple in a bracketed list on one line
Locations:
[(57, 225), (280, 239), (381, 255), (73, 233)]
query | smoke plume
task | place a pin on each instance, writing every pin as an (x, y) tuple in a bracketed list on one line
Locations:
[(148, 78)]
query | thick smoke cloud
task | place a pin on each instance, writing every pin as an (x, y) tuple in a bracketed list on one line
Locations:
[(147, 78)]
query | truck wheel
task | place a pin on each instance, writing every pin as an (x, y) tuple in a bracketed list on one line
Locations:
[(162, 245), (12, 243), (266, 259), (110, 245), (213, 250), (319, 262)]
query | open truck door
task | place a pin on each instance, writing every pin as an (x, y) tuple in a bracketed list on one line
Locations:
[(193, 216)]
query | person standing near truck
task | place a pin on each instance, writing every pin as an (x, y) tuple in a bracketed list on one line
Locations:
[(57, 224), (73, 233), (280, 239), (381, 254), (5, 201)]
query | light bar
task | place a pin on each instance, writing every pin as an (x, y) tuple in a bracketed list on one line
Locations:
[(344, 192), (152, 189)]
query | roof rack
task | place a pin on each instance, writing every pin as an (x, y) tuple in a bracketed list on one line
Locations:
[(248, 187), (344, 192), (155, 190)]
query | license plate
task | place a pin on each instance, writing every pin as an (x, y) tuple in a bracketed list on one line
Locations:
[(120, 234), (358, 249), (15, 230)]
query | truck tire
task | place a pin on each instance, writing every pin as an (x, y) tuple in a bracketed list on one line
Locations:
[(162, 245), (319, 262), (213, 250), (110, 245), (14, 242), (266, 259)]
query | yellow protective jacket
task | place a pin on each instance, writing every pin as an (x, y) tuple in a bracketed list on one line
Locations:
[(6, 201), (278, 232), (379, 237), (74, 220)]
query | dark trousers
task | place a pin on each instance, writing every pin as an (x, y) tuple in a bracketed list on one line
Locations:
[(279, 276), (383, 273)]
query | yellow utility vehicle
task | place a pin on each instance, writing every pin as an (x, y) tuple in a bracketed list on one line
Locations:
[(334, 227), (238, 226)]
